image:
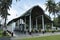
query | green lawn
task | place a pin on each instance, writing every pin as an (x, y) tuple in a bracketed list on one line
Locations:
[(56, 37), (1, 34)]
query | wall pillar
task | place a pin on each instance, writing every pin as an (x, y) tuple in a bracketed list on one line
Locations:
[(30, 24), (43, 23), (25, 24), (45, 27), (36, 24), (52, 26)]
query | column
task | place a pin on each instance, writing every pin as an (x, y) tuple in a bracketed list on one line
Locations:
[(21, 24), (52, 26), (36, 24), (30, 24), (45, 27), (25, 24), (43, 22)]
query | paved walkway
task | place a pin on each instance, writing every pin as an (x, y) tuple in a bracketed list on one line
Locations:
[(22, 36), (5, 38)]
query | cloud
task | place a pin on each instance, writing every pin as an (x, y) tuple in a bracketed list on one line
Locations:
[(25, 7), (17, 9), (12, 13)]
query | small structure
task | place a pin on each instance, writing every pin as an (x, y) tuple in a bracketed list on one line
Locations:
[(34, 19)]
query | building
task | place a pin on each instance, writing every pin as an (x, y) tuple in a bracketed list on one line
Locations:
[(34, 20)]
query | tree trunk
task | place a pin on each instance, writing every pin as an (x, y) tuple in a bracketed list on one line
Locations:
[(5, 23), (5, 20), (5, 27)]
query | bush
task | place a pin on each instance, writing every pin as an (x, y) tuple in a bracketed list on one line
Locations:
[(40, 30), (48, 30), (3, 33)]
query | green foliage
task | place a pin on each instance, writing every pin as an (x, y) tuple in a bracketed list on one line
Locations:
[(56, 37), (57, 21), (53, 8), (58, 7), (4, 6), (58, 18), (1, 34), (49, 6)]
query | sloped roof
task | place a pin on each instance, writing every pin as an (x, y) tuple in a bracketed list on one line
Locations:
[(35, 12)]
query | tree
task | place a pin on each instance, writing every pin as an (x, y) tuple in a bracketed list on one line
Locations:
[(57, 21), (58, 8), (54, 9), (51, 7), (4, 6), (49, 4), (57, 11)]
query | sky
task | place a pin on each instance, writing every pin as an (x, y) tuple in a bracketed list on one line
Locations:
[(18, 8)]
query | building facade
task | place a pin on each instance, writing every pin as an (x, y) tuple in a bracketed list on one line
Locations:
[(34, 20)]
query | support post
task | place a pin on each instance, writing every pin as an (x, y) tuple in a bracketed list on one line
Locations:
[(45, 27), (25, 25), (21, 25), (52, 28), (36, 25), (30, 24), (43, 24)]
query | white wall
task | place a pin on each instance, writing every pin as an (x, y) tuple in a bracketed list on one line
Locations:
[(11, 27)]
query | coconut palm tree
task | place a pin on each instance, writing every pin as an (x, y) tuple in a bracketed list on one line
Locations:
[(49, 6), (54, 9), (58, 8), (4, 6), (58, 13)]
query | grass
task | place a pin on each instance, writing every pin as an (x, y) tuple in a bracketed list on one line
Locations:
[(1, 34), (55, 37)]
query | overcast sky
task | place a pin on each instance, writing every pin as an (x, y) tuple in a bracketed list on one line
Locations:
[(18, 8)]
